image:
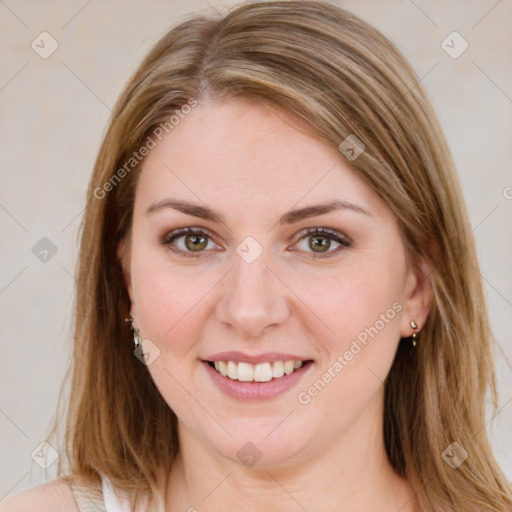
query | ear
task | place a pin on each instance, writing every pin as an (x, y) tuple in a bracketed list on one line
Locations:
[(418, 298), (123, 256)]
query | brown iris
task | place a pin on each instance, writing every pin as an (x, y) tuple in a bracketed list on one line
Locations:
[(196, 242), (321, 242)]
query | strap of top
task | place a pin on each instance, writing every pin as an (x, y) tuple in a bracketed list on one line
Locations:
[(104, 498), (87, 498)]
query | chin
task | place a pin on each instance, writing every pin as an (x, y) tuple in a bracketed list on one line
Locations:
[(263, 442)]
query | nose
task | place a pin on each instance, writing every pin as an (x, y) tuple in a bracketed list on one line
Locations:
[(253, 300)]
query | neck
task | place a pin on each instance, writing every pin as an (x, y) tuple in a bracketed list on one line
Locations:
[(350, 473)]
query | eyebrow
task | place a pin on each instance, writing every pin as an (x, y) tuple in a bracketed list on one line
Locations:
[(290, 217)]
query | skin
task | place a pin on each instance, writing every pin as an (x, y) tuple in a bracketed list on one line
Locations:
[(246, 161)]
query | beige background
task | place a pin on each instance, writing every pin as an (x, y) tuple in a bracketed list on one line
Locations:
[(53, 115)]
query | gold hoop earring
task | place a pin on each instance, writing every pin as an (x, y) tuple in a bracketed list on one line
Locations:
[(414, 336)]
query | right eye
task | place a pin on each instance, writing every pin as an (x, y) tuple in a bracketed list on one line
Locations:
[(187, 241)]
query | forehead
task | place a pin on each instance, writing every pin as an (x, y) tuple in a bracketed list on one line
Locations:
[(245, 155)]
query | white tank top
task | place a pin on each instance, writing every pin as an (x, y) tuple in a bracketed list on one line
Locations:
[(110, 500), (113, 502)]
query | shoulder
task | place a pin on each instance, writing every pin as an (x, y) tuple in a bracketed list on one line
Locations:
[(54, 496)]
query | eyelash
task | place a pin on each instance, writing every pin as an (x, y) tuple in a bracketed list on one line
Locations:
[(324, 232)]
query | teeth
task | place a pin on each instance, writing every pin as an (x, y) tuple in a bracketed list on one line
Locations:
[(245, 372), (232, 370), (289, 366), (278, 369), (263, 372)]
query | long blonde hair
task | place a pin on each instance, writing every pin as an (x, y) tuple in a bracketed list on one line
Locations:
[(337, 76)]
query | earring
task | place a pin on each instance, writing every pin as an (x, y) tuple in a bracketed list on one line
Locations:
[(137, 340), (414, 336)]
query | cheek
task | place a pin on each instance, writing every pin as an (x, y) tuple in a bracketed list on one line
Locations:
[(363, 308), (368, 306), (362, 305), (169, 307), (167, 299), (361, 300)]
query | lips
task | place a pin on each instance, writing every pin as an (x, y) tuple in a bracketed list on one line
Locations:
[(255, 377)]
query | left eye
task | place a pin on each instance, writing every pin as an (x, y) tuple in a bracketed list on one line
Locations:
[(319, 240)]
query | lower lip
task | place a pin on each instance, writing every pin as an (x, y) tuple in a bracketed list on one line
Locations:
[(253, 391)]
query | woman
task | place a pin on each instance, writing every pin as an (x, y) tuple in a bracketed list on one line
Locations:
[(277, 307)]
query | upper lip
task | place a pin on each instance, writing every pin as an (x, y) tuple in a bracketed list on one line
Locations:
[(241, 357)]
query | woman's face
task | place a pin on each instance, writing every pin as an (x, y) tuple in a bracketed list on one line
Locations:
[(255, 291)]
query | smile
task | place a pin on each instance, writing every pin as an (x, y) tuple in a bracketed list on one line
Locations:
[(266, 377)]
